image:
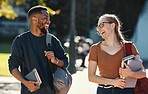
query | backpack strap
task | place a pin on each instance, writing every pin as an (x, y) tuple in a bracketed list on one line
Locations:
[(128, 48), (49, 41), (49, 48)]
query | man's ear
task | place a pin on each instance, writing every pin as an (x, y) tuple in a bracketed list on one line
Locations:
[(34, 19)]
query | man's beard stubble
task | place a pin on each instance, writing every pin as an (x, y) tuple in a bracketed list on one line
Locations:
[(43, 30)]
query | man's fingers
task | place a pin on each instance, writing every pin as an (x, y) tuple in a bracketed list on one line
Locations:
[(35, 87)]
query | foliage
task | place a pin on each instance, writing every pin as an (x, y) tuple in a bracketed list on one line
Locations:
[(6, 10), (19, 2)]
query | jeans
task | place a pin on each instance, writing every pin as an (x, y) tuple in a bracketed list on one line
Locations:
[(115, 90)]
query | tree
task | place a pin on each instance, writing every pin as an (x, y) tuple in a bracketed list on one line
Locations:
[(72, 50)]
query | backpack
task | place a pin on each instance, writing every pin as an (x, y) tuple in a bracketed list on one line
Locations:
[(62, 79)]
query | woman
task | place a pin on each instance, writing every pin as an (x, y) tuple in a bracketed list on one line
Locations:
[(107, 56)]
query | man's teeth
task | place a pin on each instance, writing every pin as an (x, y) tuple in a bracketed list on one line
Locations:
[(46, 25), (102, 32)]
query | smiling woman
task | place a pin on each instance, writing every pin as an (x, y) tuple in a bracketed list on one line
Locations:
[(107, 56)]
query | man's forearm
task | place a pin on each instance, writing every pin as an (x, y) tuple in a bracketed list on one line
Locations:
[(16, 73)]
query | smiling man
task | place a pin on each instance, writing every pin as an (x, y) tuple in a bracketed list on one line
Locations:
[(29, 51)]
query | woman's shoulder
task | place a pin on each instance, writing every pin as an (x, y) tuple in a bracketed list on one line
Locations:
[(127, 42), (96, 45)]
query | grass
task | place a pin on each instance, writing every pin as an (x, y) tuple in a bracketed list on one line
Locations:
[(4, 71), (4, 55), (5, 47)]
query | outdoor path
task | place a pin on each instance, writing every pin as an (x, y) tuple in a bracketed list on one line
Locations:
[(81, 85), (9, 85)]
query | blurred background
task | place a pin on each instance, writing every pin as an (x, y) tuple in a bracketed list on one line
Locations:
[(74, 23), (72, 19)]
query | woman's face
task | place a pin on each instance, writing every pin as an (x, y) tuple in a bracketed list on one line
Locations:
[(104, 28)]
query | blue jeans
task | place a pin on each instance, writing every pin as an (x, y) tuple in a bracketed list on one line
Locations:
[(115, 90)]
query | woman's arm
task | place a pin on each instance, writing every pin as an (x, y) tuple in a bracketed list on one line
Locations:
[(127, 72)]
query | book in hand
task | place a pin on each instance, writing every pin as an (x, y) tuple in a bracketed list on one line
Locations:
[(34, 76), (128, 58), (135, 65)]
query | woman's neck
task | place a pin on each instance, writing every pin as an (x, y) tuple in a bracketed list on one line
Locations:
[(112, 41)]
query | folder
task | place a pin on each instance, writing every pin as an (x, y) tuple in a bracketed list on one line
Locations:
[(34, 76), (135, 65)]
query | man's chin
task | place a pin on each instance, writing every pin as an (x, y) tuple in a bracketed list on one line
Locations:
[(44, 31)]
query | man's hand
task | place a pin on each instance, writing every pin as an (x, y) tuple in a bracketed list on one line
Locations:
[(50, 55), (32, 85)]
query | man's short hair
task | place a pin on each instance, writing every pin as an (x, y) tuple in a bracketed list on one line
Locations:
[(36, 9)]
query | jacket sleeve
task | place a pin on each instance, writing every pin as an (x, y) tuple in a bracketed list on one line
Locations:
[(59, 51), (15, 59)]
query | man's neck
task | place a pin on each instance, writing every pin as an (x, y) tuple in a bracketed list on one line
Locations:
[(36, 32)]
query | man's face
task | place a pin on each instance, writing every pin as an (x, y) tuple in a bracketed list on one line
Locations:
[(44, 21)]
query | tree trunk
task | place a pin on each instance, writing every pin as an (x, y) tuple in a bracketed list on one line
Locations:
[(72, 51)]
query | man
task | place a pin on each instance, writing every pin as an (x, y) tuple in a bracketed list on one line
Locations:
[(29, 51)]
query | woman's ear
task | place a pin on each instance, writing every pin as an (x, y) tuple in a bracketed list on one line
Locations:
[(113, 25)]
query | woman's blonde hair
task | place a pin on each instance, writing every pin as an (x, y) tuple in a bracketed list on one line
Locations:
[(114, 19)]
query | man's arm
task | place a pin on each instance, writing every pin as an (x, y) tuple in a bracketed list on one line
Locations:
[(31, 85), (60, 53), (17, 75)]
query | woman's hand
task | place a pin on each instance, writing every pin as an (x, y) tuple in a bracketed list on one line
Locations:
[(120, 83), (125, 72)]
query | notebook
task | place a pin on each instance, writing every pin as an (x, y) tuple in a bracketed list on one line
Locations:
[(34, 76), (135, 65)]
